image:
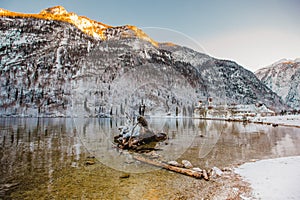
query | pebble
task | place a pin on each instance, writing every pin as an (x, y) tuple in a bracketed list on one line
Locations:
[(227, 169), (216, 172), (89, 162), (187, 164), (197, 169), (174, 163), (125, 176)]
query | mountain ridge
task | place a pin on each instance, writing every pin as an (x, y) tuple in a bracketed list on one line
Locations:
[(283, 78), (96, 29)]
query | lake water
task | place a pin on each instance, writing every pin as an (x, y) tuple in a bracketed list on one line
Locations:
[(45, 158)]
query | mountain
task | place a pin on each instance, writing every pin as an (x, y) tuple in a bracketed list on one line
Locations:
[(283, 77), (56, 63), (90, 27)]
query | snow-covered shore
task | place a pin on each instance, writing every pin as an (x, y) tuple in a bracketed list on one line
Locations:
[(285, 120), (280, 120), (273, 178), (277, 178)]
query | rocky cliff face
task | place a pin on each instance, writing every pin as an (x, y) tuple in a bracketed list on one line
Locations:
[(283, 77), (51, 66)]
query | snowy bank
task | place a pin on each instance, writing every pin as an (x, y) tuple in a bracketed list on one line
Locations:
[(285, 120), (273, 178)]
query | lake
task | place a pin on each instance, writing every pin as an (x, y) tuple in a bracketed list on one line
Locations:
[(45, 158)]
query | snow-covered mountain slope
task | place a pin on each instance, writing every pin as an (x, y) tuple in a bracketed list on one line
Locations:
[(52, 67), (283, 77)]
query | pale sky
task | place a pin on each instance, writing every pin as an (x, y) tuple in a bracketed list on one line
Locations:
[(254, 33)]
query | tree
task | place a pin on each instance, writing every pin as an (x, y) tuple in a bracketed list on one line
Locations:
[(21, 96), (16, 94)]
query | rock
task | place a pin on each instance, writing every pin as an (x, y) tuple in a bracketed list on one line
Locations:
[(197, 169), (187, 164), (125, 175), (89, 162), (216, 172), (227, 169)]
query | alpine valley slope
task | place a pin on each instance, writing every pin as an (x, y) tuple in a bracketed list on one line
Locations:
[(283, 77), (59, 64)]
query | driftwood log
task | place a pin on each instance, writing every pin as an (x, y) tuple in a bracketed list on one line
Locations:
[(143, 139), (147, 140), (185, 171)]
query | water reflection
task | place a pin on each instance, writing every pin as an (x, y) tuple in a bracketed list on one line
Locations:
[(34, 151), (225, 143), (31, 150), (205, 143), (97, 136)]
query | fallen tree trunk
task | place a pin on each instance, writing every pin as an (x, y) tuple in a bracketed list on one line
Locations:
[(147, 140), (138, 136), (188, 172)]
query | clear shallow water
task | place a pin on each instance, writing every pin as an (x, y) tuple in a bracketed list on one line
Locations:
[(45, 157)]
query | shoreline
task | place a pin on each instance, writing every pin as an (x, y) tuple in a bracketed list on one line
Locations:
[(276, 178), (283, 120)]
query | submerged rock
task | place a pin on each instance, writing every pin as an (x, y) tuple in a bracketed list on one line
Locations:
[(187, 164), (125, 176), (89, 162)]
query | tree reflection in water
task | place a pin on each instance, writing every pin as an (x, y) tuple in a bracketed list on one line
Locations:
[(35, 152)]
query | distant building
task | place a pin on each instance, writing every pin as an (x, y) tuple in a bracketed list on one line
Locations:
[(243, 110), (251, 110), (233, 111), (209, 110), (264, 111)]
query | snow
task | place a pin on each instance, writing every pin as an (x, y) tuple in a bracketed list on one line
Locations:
[(288, 120), (274, 178), (190, 56), (115, 73), (283, 78)]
